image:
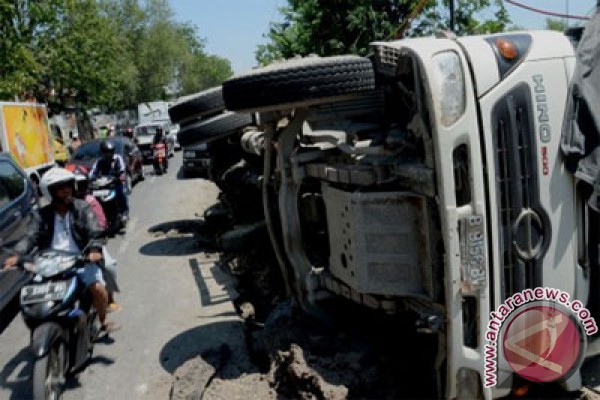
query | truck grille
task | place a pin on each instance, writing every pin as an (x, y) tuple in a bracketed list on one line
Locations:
[(521, 226)]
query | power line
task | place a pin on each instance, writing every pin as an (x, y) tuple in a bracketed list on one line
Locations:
[(546, 12)]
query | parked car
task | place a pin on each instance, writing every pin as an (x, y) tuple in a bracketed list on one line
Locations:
[(196, 160), (89, 152), (143, 135), (18, 199)]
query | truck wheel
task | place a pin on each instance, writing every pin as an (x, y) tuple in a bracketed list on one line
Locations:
[(214, 128), (299, 83), (48, 375), (197, 105)]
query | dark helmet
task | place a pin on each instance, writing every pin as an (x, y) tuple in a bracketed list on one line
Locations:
[(107, 148), (81, 178)]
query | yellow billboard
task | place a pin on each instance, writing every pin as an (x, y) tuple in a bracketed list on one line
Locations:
[(27, 134)]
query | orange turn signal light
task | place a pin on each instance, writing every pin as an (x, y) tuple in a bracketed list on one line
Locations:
[(521, 391), (507, 49)]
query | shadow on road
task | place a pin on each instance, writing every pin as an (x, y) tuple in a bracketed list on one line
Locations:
[(19, 385), (183, 176), (172, 246), (183, 237), (199, 341), (179, 226), (216, 274)]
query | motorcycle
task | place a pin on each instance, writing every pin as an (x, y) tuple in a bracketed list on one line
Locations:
[(160, 158), (104, 189), (61, 318)]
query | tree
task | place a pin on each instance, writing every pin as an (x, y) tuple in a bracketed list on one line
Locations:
[(87, 63), (330, 27), (555, 25), (26, 33), (108, 53)]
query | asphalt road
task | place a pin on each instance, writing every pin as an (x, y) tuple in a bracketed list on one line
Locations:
[(176, 303)]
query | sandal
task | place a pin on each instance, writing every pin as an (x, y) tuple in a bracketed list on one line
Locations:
[(110, 327), (114, 307)]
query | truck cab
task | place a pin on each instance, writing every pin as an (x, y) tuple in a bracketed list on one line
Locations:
[(492, 109)]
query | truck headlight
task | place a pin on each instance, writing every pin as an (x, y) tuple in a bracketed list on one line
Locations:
[(449, 90)]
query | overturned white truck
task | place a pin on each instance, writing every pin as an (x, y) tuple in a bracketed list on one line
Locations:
[(428, 179)]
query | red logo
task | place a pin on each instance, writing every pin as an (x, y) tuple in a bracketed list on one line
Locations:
[(543, 344)]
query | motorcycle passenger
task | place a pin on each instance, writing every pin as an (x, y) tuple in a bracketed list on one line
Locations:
[(68, 224), (111, 164), (82, 192), (159, 137)]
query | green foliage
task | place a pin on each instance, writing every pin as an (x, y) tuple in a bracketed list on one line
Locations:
[(112, 53), (86, 62), (556, 25), (330, 27), (25, 42)]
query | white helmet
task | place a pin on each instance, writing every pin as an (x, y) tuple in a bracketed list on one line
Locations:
[(53, 177)]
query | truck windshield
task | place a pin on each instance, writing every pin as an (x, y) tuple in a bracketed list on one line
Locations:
[(146, 130)]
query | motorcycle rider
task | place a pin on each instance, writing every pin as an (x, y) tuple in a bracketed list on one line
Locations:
[(111, 164), (159, 137), (68, 224)]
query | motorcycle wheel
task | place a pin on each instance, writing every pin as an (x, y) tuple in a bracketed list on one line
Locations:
[(48, 375)]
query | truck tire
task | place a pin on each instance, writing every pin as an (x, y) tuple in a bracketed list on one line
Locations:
[(299, 83), (198, 105), (214, 128)]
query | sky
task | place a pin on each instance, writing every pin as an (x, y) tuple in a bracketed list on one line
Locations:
[(234, 28)]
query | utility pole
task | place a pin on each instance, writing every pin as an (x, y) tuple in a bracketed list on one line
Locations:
[(452, 15)]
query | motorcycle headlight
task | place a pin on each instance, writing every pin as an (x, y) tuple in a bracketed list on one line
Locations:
[(449, 88)]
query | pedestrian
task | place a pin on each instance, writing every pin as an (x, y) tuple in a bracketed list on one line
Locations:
[(74, 143), (110, 264)]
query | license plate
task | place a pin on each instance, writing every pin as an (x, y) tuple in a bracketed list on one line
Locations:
[(189, 154), (159, 153), (473, 253), (100, 193), (47, 292)]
